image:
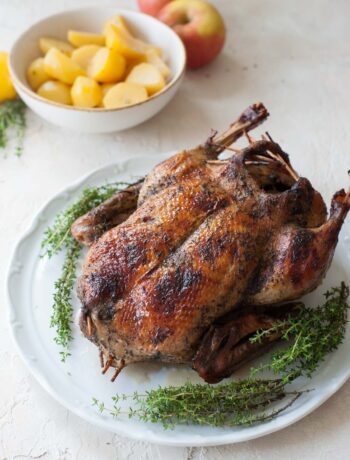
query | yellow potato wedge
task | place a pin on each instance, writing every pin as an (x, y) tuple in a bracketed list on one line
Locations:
[(46, 43), (153, 58), (118, 21), (61, 67), (79, 38), (124, 94), (36, 74), (107, 66), (131, 63), (149, 47), (86, 92), (84, 54), (105, 88), (148, 76), (127, 45), (55, 91), (123, 43), (7, 90)]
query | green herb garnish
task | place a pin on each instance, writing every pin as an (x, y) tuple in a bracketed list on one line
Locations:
[(313, 334), (235, 403), (57, 238), (62, 315), (12, 116)]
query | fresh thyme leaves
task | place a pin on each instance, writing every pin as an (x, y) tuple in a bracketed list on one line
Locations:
[(61, 318), (12, 116), (57, 238), (236, 403), (313, 334)]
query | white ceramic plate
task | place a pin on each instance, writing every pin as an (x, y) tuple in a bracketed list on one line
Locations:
[(74, 383)]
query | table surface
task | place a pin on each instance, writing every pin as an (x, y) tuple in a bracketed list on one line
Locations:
[(292, 55)]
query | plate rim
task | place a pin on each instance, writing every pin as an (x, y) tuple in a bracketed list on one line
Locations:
[(153, 438)]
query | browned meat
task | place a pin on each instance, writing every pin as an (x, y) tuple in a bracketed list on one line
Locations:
[(206, 237), (226, 346)]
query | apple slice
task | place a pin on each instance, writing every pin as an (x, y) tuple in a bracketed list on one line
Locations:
[(148, 76), (123, 95)]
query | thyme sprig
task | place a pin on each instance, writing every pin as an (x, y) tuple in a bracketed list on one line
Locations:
[(12, 117), (62, 314), (312, 333), (235, 403), (58, 238)]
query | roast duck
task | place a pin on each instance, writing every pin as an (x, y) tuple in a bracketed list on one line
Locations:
[(186, 264)]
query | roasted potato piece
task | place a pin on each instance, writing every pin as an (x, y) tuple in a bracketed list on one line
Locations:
[(119, 21), (86, 92), (46, 43), (127, 45), (123, 95), (61, 67), (107, 66), (153, 58), (84, 54), (80, 38), (105, 88), (55, 91), (148, 76), (36, 74), (123, 43)]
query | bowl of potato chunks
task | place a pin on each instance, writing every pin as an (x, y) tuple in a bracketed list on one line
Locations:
[(99, 69)]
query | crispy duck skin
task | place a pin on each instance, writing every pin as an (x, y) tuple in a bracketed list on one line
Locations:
[(206, 237), (90, 227)]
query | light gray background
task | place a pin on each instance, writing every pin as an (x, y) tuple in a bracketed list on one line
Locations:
[(294, 56)]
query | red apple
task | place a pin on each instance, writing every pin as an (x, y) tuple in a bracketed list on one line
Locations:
[(199, 25), (152, 7)]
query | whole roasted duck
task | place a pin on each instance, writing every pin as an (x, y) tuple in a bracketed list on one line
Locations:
[(186, 264)]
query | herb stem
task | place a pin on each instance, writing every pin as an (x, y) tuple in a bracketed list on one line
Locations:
[(313, 333), (12, 116), (58, 238)]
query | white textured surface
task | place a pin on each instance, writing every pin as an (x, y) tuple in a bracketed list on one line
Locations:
[(293, 55)]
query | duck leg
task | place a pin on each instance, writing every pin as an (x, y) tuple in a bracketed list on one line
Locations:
[(88, 228), (298, 258), (226, 346)]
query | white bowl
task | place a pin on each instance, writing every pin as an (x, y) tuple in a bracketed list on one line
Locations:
[(94, 120)]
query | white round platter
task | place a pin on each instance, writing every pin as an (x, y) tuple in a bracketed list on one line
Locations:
[(75, 382)]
